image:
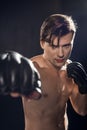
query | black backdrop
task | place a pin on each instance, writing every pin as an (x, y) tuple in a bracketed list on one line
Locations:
[(20, 22)]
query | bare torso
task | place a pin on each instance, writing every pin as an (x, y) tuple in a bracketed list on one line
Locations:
[(47, 113)]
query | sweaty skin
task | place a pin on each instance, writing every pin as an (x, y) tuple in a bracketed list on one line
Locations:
[(48, 113)]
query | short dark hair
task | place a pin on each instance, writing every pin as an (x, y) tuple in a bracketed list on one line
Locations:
[(55, 25)]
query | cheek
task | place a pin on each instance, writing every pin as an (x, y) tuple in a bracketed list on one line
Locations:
[(52, 53), (68, 52), (49, 53)]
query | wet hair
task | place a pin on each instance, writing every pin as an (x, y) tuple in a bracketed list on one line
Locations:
[(57, 25)]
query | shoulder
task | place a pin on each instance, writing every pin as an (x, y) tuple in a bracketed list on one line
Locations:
[(37, 60)]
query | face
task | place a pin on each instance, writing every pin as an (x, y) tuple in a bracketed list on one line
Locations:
[(58, 53)]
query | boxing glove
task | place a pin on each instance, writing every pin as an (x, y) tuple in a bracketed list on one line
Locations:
[(18, 74), (76, 71)]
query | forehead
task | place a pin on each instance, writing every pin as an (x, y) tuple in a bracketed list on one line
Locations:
[(68, 38)]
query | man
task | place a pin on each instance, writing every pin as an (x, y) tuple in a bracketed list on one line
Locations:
[(59, 78)]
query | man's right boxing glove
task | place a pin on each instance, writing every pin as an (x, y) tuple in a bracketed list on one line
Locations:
[(76, 71), (18, 74)]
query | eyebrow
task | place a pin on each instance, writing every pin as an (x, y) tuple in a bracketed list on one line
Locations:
[(62, 45), (67, 44)]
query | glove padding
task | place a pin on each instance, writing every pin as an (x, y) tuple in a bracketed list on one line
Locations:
[(76, 71), (18, 74)]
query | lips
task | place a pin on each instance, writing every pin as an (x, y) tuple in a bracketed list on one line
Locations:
[(59, 60)]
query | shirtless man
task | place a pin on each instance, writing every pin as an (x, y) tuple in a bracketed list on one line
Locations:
[(55, 78)]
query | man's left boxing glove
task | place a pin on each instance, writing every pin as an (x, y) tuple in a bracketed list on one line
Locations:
[(76, 71), (18, 75)]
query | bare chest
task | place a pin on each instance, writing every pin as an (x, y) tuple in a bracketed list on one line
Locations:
[(54, 92), (53, 83)]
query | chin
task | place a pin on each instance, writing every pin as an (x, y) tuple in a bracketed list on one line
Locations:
[(58, 66), (61, 64)]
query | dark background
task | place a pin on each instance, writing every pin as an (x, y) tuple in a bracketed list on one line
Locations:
[(20, 23)]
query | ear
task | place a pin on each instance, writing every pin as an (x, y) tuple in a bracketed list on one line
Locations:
[(42, 43)]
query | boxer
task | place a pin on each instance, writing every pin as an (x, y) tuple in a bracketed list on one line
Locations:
[(51, 75)]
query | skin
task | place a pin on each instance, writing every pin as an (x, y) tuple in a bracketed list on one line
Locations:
[(48, 112)]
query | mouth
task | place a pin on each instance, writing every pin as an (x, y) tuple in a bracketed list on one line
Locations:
[(59, 60)]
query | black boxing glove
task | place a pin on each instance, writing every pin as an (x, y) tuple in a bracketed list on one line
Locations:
[(76, 71), (18, 74)]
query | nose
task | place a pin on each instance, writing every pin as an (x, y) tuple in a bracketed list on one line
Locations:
[(60, 52)]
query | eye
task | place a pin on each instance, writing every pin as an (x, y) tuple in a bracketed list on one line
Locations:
[(67, 45), (54, 46)]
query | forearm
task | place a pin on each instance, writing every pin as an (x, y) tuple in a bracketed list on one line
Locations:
[(79, 102), (78, 98)]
